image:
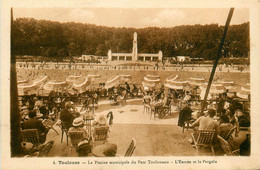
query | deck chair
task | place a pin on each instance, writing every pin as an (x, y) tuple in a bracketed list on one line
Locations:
[(46, 149), (227, 148), (100, 134), (131, 148), (231, 131), (203, 138), (31, 135)]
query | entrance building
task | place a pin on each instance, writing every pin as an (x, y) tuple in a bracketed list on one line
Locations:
[(134, 56)]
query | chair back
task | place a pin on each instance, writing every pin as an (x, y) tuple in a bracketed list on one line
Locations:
[(46, 149), (131, 148), (225, 146), (75, 137), (231, 131), (205, 137), (147, 100), (64, 126), (31, 135), (100, 133)]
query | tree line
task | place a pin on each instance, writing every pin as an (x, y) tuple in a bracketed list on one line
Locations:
[(54, 39)]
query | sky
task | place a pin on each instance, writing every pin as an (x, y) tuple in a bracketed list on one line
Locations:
[(136, 17)]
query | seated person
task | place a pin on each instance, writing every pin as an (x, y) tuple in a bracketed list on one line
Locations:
[(33, 123), (224, 126), (43, 110), (66, 116), (205, 123), (101, 121), (184, 115), (78, 125), (84, 147), (245, 146)]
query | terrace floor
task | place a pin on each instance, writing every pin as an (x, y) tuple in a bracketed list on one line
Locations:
[(159, 137)]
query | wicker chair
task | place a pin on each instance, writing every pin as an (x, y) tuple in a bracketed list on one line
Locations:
[(31, 135), (131, 148), (227, 148), (75, 137), (100, 134), (203, 138)]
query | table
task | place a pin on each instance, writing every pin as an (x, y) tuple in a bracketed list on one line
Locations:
[(99, 149)]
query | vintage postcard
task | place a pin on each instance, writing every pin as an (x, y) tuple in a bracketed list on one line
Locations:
[(130, 84)]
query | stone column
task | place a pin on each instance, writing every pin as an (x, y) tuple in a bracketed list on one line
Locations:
[(109, 55)]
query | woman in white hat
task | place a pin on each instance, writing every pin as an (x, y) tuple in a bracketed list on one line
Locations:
[(101, 121), (78, 125)]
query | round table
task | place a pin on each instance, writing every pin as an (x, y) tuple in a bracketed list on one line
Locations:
[(99, 149)]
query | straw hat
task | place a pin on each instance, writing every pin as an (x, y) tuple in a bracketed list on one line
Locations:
[(104, 150), (102, 119), (83, 143), (77, 122)]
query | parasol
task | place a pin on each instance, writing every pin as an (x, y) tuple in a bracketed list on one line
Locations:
[(151, 81), (214, 89), (71, 79), (54, 85), (244, 92), (26, 88), (81, 84), (171, 78), (178, 85), (227, 84), (196, 81)]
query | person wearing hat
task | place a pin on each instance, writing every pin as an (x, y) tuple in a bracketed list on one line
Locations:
[(84, 147), (66, 116), (101, 121), (78, 125), (34, 123), (224, 126), (205, 123)]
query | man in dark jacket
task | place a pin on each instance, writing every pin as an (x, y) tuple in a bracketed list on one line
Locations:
[(34, 123), (66, 116)]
